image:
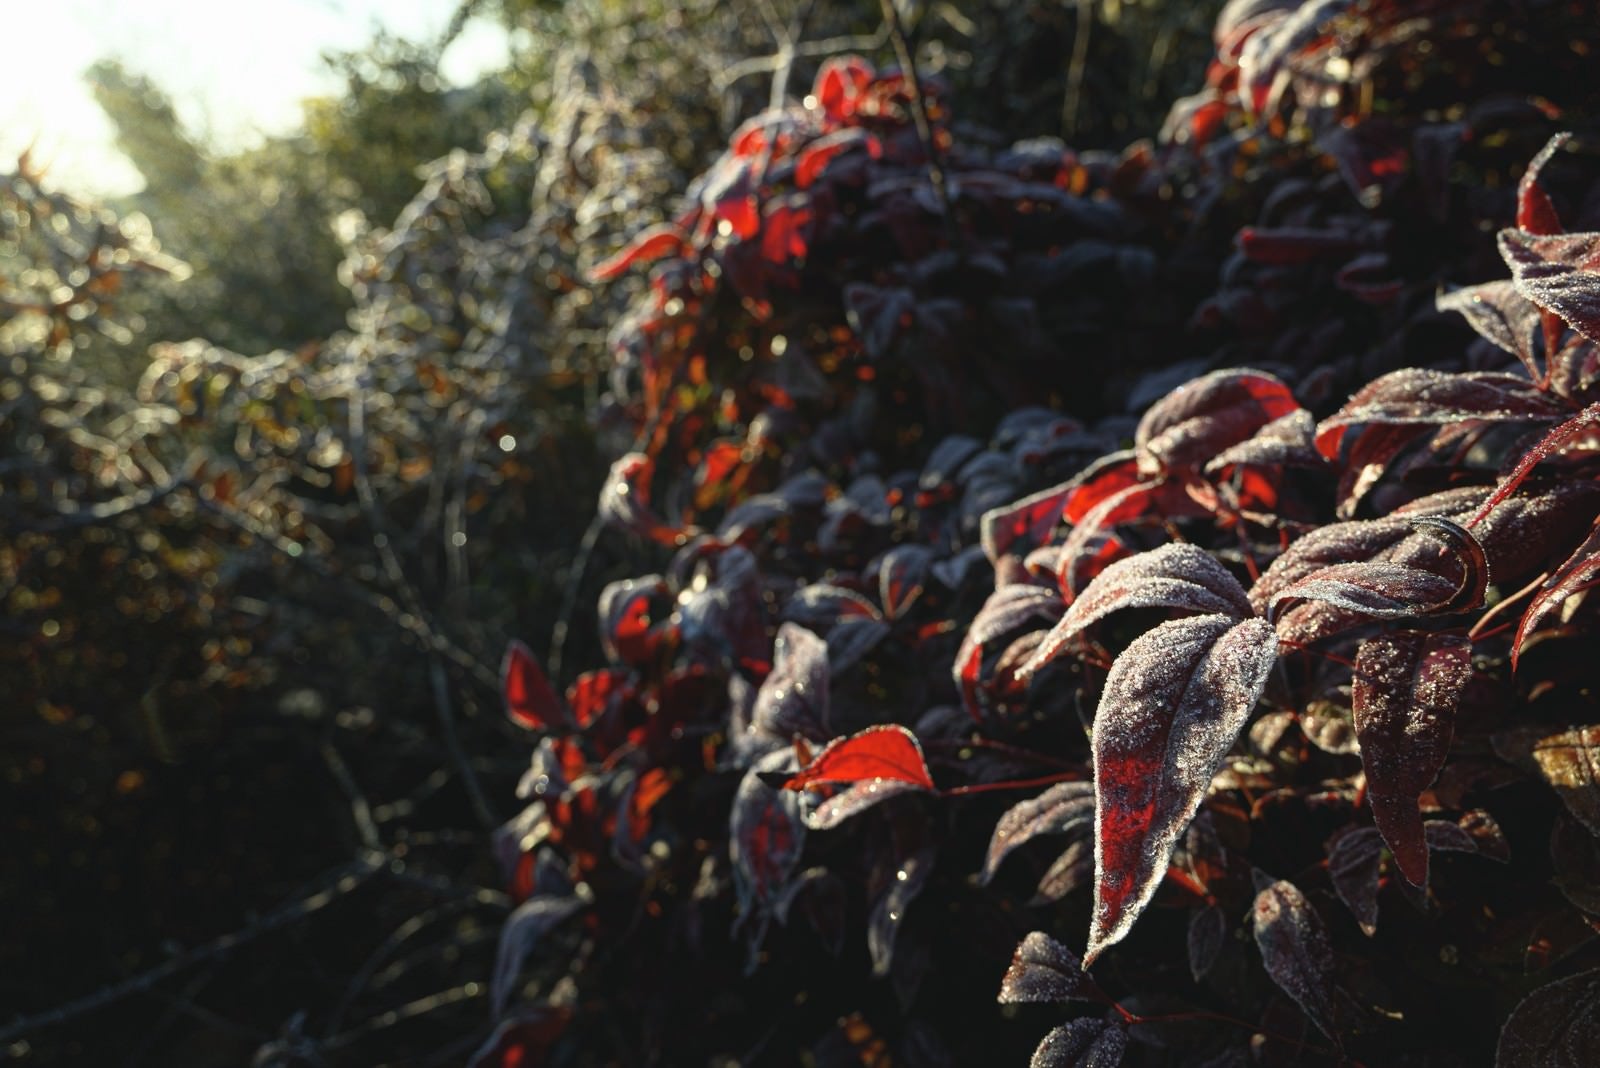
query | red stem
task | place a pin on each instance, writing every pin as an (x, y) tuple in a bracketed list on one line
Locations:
[(1009, 784)]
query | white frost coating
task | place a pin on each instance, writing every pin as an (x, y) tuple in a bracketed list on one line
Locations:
[(793, 699), (1174, 703), (1174, 576), (1082, 1043), (1062, 808), (1294, 947)]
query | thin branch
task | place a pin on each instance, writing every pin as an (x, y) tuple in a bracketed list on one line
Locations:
[(334, 885), (919, 116), (1077, 70)]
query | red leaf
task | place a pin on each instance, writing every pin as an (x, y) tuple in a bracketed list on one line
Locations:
[(839, 82), (1197, 420), (1024, 525), (1177, 576), (1294, 948), (1045, 971), (1407, 686), (1582, 423), (1104, 478), (1174, 702), (1579, 572), (595, 693), (1065, 807), (660, 240), (1422, 398), (531, 702), (1082, 1043), (1535, 213), (815, 157), (1007, 611), (1556, 1026), (902, 574), (1558, 272), (625, 501), (873, 764), (1094, 543)]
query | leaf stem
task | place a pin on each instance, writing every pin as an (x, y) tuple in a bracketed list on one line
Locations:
[(1010, 784)]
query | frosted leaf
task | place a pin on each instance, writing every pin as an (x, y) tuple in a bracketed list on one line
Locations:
[(1375, 589), (1044, 970), (1082, 1043), (523, 929), (1294, 947), (1022, 526), (1073, 869), (871, 766), (1199, 419), (626, 620), (1177, 576), (793, 698), (1285, 442), (1094, 542), (1104, 478), (1064, 807), (1353, 867), (1329, 727), (1008, 610), (1556, 1026), (1337, 543), (1498, 312), (1407, 686), (1558, 272), (1535, 213), (1577, 573), (1422, 398), (1173, 704), (765, 834)]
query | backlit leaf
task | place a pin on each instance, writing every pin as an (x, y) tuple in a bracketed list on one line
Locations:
[(1201, 418), (1407, 686), (872, 765), (1173, 704), (1558, 272), (531, 701)]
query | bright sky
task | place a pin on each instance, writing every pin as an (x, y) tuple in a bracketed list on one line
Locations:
[(235, 68)]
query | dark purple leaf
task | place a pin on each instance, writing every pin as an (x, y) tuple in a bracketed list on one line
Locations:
[(902, 574), (1208, 933), (1336, 543), (820, 605), (1177, 576), (523, 929), (1556, 1026), (1044, 970), (793, 698), (1198, 420), (1407, 686), (765, 834), (1173, 704), (850, 640), (1504, 316), (1353, 867), (1062, 808), (1375, 589), (1288, 441), (889, 911), (1082, 1043), (1558, 272), (625, 501), (1007, 611), (1070, 871), (1421, 398), (1294, 948)]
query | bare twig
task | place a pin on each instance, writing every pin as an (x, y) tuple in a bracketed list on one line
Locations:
[(1077, 69), (332, 886), (919, 116)]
